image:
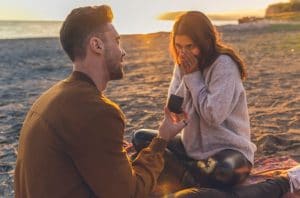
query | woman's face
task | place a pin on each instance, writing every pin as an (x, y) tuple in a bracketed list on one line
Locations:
[(185, 43)]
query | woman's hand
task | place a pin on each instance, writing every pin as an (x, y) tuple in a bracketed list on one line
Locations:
[(170, 128), (188, 62), (178, 117)]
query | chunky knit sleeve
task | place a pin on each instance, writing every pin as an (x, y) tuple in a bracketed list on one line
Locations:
[(215, 101)]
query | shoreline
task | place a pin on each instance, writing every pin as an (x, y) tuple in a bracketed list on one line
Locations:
[(257, 25)]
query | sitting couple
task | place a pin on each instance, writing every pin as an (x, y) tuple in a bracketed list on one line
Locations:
[(71, 141)]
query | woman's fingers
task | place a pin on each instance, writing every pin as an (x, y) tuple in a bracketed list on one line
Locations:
[(168, 114), (191, 58), (185, 115), (175, 118), (184, 63), (183, 123), (169, 129), (189, 61)]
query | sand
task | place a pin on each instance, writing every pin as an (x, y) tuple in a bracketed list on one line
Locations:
[(272, 53)]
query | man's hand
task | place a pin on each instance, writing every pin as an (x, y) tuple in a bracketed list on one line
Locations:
[(170, 128)]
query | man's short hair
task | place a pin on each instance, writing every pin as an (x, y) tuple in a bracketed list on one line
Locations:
[(79, 25)]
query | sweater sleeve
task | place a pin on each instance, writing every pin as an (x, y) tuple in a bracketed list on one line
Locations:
[(215, 101), (97, 151), (175, 82)]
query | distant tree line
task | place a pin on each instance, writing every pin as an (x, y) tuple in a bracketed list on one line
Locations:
[(295, 1), (292, 6)]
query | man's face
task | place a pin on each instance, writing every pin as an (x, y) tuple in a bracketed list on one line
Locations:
[(113, 54)]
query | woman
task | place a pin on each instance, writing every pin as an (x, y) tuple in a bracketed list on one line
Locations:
[(215, 146), (208, 75)]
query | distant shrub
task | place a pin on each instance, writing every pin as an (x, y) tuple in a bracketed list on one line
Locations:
[(285, 16), (293, 6), (295, 1)]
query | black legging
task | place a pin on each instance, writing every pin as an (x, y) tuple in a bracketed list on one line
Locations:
[(222, 170), (273, 188)]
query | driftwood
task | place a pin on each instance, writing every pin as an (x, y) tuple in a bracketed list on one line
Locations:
[(249, 19)]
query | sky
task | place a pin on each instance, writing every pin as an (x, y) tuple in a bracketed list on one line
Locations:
[(130, 13)]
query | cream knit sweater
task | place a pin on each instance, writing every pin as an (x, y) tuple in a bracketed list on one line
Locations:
[(216, 103)]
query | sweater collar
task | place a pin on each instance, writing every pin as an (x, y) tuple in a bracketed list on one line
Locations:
[(77, 75)]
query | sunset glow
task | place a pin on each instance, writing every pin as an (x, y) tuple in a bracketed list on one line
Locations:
[(130, 15)]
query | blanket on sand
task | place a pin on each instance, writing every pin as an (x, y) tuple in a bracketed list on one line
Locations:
[(264, 168)]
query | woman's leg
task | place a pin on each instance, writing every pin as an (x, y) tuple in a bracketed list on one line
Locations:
[(143, 137), (274, 188), (223, 170), (200, 193)]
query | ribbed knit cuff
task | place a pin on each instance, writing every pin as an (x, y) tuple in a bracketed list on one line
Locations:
[(158, 145)]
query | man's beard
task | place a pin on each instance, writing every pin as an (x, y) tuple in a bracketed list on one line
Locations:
[(116, 74), (114, 67)]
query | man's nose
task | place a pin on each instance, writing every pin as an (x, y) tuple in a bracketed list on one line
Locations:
[(123, 52)]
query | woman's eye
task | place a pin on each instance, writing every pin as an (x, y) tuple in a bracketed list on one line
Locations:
[(178, 46), (190, 46)]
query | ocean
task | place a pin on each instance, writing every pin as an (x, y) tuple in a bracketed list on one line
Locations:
[(42, 29), (29, 29)]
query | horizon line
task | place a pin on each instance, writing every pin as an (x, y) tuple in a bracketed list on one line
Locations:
[(30, 20), (225, 14)]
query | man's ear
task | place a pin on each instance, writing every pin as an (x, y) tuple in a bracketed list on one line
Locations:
[(96, 45)]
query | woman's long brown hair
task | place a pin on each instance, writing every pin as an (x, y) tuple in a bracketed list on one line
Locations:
[(199, 28)]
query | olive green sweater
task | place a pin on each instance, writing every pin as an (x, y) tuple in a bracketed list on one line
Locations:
[(71, 146)]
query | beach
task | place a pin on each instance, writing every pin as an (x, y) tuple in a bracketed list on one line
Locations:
[(271, 52)]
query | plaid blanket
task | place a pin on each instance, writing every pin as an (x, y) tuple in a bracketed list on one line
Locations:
[(269, 167)]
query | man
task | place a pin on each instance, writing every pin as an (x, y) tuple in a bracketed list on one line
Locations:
[(71, 140)]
